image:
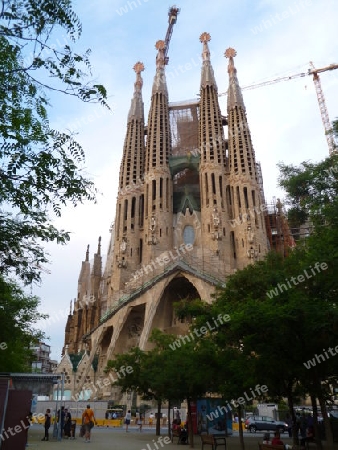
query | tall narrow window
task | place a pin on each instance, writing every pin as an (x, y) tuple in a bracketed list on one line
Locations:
[(220, 186), (232, 243), (153, 186), (206, 189), (238, 197), (125, 212), (213, 183), (146, 200), (141, 250), (141, 211), (118, 220), (133, 204), (246, 200)]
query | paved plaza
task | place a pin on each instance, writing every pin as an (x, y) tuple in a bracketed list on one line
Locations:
[(118, 439)]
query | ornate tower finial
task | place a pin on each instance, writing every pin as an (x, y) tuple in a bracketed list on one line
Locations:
[(138, 67), (136, 107), (234, 92), (230, 53), (160, 58), (207, 77), (99, 246), (205, 37), (87, 253)]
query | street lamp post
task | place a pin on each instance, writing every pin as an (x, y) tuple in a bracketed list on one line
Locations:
[(62, 395), (55, 427)]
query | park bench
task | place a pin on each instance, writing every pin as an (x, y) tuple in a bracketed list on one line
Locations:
[(213, 440)]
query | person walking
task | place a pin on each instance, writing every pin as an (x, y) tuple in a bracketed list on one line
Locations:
[(68, 424), (47, 425), (140, 423), (88, 420), (127, 419)]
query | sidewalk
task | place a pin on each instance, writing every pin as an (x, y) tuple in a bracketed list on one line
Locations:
[(118, 439)]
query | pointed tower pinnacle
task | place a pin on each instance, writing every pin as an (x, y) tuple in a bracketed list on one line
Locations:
[(99, 246), (136, 107), (131, 169), (160, 84), (87, 253), (208, 77), (241, 152), (235, 97)]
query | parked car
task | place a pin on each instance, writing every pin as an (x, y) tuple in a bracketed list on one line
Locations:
[(264, 423)]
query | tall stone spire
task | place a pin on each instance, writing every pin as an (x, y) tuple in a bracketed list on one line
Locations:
[(133, 151), (157, 189), (241, 152), (235, 97), (207, 78), (212, 143), (130, 200), (160, 84), (248, 237), (136, 108), (213, 160)]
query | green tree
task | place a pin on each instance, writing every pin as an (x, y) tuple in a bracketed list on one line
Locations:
[(18, 315), (42, 169)]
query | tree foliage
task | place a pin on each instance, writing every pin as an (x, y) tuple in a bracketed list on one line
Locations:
[(18, 315), (42, 169)]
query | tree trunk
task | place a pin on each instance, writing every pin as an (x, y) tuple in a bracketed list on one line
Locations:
[(315, 423), (327, 424), (158, 419), (169, 419), (190, 429), (240, 428), (295, 442)]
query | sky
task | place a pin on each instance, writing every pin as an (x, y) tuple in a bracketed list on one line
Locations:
[(273, 38)]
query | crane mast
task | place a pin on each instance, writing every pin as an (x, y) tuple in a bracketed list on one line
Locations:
[(322, 107), (320, 96), (172, 14)]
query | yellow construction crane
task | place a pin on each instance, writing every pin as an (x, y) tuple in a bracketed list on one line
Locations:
[(320, 96), (172, 13)]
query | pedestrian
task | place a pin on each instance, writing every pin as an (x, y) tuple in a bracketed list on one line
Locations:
[(140, 423), (88, 420), (151, 419), (127, 419), (47, 425), (68, 424), (61, 421)]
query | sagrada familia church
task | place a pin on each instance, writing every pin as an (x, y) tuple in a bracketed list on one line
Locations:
[(189, 213)]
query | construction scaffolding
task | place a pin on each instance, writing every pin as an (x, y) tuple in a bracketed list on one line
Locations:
[(278, 230), (184, 122)]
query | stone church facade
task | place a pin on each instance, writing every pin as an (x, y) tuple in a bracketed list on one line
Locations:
[(190, 212)]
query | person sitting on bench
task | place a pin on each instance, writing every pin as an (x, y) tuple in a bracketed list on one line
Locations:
[(309, 437)]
